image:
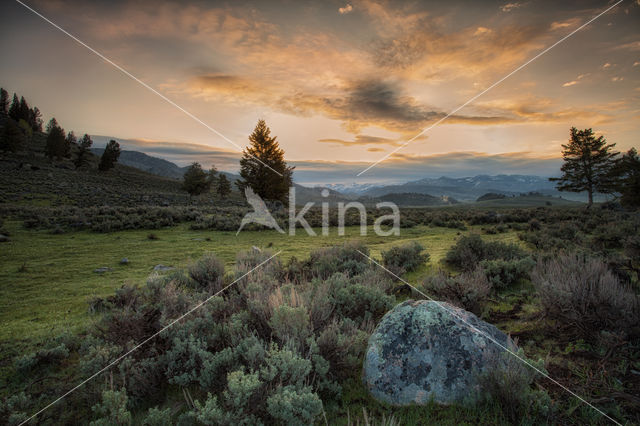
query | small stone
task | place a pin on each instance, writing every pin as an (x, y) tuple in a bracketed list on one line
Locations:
[(254, 248), (102, 270), (124, 261), (162, 268), (4, 239)]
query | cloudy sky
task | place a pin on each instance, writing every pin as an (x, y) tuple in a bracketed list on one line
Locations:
[(340, 83)]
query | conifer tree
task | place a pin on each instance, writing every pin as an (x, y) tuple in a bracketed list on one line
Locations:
[(196, 181), (109, 156), (56, 141), (4, 101), (224, 186), (83, 150), (263, 167), (587, 164)]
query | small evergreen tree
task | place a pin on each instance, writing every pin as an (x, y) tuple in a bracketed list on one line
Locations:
[(224, 186), (4, 101), (12, 137), (56, 141), (263, 167), (109, 156), (83, 150), (196, 181), (24, 110), (70, 141), (587, 164), (35, 119)]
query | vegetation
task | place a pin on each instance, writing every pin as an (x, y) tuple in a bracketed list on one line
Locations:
[(109, 156), (57, 144), (224, 186), (263, 167), (196, 181), (587, 164)]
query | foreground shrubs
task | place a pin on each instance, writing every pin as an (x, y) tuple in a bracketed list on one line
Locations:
[(405, 258), (503, 274), (468, 290), (582, 293), (471, 249)]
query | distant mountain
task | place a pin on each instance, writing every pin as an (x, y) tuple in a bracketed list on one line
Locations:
[(142, 161), (470, 188), (417, 200)]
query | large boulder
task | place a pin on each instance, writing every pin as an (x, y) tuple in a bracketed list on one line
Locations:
[(424, 349)]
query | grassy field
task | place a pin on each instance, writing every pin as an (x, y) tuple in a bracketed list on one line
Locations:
[(47, 279)]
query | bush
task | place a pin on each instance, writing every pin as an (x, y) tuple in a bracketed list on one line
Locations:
[(207, 273), (470, 250), (405, 258), (345, 259), (112, 410), (503, 274), (582, 292), (507, 383), (468, 290)]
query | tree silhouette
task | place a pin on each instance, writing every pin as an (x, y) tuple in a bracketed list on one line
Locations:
[(83, 150), (4, 101), (259, 163), (224, 186), (196, 181), (56, 142), (587, 164), (109, 156), (14, 109), (12, 137), (626, 179)]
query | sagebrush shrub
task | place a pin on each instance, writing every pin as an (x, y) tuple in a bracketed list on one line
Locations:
[(207, 273), (581, 292), (471, 249), (346, 259), (468, 290), (405, 258), (503, 274)]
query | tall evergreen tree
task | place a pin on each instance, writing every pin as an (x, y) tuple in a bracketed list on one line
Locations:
[(587, 164), (24, 110), (35, 119), (70, 141), (56, 141), (263, 167), (12, 137), (626, 179), (14, 109), (4, 101), (83, 150), (109, 156), (224, 186), (196, 181)]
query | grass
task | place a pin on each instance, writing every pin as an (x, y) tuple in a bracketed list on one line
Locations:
[(49, 278)]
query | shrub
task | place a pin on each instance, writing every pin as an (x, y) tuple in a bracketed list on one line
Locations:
[(345, 259), (14, 409), (507, 383), (582, 292), (503, 274), (471, 249), (405, 258), (158, 417), (468, 290), (357, 301), (112, 410), (207, 273), (292, 406)]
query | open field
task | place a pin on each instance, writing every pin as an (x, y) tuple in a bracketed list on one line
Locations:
[(51, 292)]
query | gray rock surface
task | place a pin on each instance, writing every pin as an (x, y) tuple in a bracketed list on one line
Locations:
[(124, 261), (4, 239), (162, 268), (102, 270), (420, 350)]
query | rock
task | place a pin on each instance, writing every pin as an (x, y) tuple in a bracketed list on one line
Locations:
[(102, 270), (254, 248), (421, 350), (124, 261), (4, 239), (162, 268)]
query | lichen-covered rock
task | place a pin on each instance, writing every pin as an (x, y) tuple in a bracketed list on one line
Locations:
[(423, 350)]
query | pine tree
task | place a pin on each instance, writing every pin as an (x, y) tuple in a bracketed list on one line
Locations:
[(587, 164), (4, 101), (224, 186), (626, 178), (83, 150), (12, 137), (24, 110), (56, 141), (14, 110), (70, 141), (196, 181), (35, 119), (109, 156), (263, 167)]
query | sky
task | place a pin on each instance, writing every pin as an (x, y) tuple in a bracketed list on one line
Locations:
[(340, 83)]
